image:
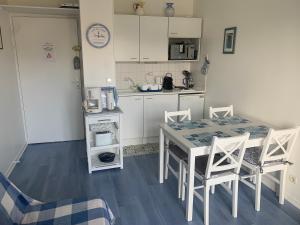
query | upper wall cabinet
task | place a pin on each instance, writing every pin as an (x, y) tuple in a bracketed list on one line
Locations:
[(153, 39), (180, 27), (127, 38)]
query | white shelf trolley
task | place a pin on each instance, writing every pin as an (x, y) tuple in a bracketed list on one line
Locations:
[(103, 122)]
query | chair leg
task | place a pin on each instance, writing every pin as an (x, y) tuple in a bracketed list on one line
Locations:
[(235, 194), (257, 190), (179, 179), (213, 189), (229, 184), (206, 205), (183, 183), (282, 186), (167, 164)]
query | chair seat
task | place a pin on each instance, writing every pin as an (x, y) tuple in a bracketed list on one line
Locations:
[(178, 152), (251, 156), (201, 164)]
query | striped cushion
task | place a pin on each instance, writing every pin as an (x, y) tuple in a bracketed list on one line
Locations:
[(21, 209), (12, 201)]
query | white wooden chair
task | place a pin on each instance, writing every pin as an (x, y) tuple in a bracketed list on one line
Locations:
[(216, 169), (215, 113), (220, 112), (174, 151), (272, 157)]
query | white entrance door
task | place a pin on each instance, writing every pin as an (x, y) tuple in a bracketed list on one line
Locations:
[(50, 86)]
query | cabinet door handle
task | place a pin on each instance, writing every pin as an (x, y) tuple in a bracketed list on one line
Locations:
[(174, 33), (133, 58), (145, 58), (149, 98), (104, 120)]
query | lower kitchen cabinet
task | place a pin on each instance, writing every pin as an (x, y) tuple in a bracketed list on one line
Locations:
[(132, 118), (154, 107), (142, 115), (195, 102)]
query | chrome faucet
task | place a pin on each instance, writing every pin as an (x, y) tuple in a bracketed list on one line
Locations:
[(131, 82)]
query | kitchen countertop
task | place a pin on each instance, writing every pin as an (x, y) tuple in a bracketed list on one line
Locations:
[(130, 92)]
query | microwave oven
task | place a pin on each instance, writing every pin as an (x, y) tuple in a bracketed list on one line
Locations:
[(182, 52)]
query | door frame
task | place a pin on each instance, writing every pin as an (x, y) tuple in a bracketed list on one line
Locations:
[(14, 44)]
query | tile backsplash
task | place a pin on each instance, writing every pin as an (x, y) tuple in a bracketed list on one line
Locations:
[(147, 72)]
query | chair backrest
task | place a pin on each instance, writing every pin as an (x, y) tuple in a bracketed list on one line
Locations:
[(220, 112), (12, 200), (182, 115), (222, 158), (278, 145)]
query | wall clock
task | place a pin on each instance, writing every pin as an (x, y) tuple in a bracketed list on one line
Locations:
[(98, 35)]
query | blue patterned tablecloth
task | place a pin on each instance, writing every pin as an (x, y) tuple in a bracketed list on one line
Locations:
[(204, 139), (187, 125), (255, 131), (233, 120)]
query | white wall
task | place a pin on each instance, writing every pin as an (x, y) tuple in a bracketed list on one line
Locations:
[(51, 3), (152, 7), (262, 79), (98, 64), (156, 7), (12, 136)]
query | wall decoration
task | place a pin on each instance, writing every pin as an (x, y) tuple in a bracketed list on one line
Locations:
[(49, 52), (98, 35), (1, 42), (170, 11), (138, 7), (229, 40)]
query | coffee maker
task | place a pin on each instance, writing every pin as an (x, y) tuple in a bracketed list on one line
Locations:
[(187, 81), (93, 103)]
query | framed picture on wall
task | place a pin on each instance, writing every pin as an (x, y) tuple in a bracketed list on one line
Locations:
[(1, 42), (229, 40)]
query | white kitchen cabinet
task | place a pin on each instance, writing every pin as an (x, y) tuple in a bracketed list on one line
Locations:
[(126, 38), (153, 39), (180, 27), (154, 107), (193, 101), (132, 117)]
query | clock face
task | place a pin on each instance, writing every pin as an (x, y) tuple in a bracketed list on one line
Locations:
[(98, 35)]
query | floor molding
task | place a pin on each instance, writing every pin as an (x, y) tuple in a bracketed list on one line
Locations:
[(16, 160), (267, 182), (142, 149)]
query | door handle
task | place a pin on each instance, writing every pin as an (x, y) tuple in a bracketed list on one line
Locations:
[(145, 58), (133, 58), (174, 33)]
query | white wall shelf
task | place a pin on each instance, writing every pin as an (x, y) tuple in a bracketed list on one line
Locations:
[(40, 10)]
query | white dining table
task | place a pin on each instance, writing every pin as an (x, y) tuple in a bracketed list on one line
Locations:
[(194, 137)]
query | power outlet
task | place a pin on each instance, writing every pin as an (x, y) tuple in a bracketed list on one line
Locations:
[(292, 179)]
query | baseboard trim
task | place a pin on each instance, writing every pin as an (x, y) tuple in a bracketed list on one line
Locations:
[(16, 160), (288, 197)]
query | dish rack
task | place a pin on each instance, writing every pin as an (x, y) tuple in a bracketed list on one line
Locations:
[(105, 128)]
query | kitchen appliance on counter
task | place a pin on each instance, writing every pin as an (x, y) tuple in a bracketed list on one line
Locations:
[(97, 99), (188, 80), (168, 82), (92, 102), (182, 51)]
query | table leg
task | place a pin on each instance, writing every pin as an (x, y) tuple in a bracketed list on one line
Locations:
[(190, 187), (161, 156)]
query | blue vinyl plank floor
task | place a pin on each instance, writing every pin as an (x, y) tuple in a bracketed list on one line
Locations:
[(56, 171)]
